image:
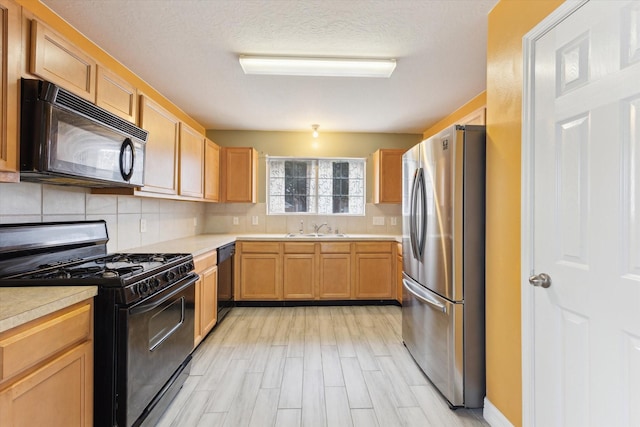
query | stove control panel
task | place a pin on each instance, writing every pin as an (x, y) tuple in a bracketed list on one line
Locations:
[(157, 282)]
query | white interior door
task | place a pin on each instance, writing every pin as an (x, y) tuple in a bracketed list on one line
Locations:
[(581, 160)]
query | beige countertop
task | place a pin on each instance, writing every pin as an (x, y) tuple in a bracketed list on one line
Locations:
[(21, 305), (195, 245)]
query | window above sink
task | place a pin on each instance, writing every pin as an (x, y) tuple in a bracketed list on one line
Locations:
[(321, 186)]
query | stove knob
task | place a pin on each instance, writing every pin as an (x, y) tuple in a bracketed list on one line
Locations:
[(143, 288), (170, 275), (155, 282)]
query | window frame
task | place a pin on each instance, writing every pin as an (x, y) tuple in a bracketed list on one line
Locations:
[(316, 178)]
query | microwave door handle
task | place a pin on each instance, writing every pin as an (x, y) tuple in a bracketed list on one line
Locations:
[(126, 170)]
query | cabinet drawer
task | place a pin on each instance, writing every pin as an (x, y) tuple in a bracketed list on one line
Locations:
[(335, 247), (299, 248), (42, 339), (205, 261), (261, 247), (374, 247)]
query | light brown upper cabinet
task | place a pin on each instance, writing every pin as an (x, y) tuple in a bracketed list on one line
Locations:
[(161, 151), (191, 162), (116, 95), (211, 171), (57, 60), (239, 175), (10, 39), (387, 175)]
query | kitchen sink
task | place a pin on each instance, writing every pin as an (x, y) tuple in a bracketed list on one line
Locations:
[(314, 235)]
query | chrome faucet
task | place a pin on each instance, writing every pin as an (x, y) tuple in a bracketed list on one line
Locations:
[(316, 228)]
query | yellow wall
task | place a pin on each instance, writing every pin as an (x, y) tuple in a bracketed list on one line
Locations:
[(302, 144), (508, 22)]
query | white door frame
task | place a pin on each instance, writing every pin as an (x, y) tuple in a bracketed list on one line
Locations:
[(527, 206)]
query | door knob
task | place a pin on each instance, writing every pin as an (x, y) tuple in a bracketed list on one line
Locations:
[(542, 280)]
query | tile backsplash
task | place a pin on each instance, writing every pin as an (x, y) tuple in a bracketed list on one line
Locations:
[(127, 216), (163, 219), (252, 218)]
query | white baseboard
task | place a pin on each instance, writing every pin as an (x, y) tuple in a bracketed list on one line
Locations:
[(493, 416)]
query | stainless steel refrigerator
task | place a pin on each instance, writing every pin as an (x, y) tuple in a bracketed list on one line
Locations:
[(443, 261)]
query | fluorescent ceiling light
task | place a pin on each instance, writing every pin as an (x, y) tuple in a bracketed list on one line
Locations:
[(323, 67)]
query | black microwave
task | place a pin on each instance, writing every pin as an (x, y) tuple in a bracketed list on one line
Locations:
[(65, 139)]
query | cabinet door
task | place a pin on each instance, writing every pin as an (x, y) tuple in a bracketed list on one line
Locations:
[(161, 153), (211, 171), (58, 394), (191, 162), (197, 314), (299, 276), (57, 60), (387, 171), (116, 95), (209, 301), (335, 276), (399, 281), (375, 278), (240, 166), (260, 277), (9, 75)]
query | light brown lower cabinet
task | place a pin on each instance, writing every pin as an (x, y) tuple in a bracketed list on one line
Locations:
[(206, 301), (276, 271), (299, 276), (374, 276), (335, 276), (335, 271), (375, 270), (399, 274), (46, 370)]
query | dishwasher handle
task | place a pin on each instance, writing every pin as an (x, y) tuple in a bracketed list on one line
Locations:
[(423, 296), (226, 252)]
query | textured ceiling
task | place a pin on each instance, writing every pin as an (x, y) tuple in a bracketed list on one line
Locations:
[(188, 50)]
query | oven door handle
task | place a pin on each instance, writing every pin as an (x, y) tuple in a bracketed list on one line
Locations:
[(176, 289)]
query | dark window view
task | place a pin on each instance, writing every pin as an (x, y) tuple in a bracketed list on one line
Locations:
[(341, 187), (296, 186)]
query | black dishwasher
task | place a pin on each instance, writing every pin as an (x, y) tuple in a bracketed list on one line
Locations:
[(225, 279)]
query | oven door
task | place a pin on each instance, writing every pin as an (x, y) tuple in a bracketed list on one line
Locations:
[(159, 339)]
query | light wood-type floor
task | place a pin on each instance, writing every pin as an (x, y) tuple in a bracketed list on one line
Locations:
[(310, 366)]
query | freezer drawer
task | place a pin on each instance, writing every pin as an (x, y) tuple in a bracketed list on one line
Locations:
[(432, 330)]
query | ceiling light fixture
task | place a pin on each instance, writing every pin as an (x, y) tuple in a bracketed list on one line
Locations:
[(323, 67), (315, 130)]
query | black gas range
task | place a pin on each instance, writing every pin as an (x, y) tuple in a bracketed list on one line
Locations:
[(144, 311)]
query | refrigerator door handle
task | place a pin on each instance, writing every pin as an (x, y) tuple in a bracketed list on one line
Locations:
[(422, 296), (412, 218), (423, 196)]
